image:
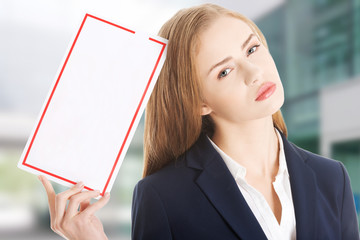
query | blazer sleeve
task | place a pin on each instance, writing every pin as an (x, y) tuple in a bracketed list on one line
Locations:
[(149, 219), (349, 224)]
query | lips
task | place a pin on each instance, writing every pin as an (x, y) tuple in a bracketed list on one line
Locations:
[(265, 91)]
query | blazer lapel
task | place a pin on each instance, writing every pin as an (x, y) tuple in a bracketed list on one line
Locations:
[(219, 186), (303, 189)]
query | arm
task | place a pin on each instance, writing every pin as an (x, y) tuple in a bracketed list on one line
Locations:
[(149, 219), (349, 224)]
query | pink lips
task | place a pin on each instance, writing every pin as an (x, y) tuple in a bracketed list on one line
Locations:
[(265, 91)]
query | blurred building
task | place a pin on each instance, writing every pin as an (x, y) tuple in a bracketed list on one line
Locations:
[(35, 36), (23, 202), (316, 47)]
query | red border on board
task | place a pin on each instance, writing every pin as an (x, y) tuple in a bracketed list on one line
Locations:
[(133, 119)]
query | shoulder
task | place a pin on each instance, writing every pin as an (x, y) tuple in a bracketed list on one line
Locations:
[(329, 172), (318, 162), (173, 179), (153, 200), (321, 166), (334, 199)]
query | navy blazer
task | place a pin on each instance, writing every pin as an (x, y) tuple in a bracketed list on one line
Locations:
[(196, 197)]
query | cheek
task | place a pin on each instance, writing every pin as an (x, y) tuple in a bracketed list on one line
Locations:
[(227, 100), (281, 93), (225, 91), (270, 68)]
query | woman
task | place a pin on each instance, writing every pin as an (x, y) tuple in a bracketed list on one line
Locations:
[(217, 161)]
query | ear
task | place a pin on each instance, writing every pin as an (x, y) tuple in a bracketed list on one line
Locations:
[(205, 109)]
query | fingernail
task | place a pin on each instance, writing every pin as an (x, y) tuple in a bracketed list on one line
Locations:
[(79, 185), (40, 178)]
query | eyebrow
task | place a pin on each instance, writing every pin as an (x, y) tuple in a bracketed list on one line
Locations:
[(247, 40), (220, 63), (229, 57)]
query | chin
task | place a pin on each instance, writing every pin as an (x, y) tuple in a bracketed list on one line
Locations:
[(276, 107), (271, 108), (277, 102)]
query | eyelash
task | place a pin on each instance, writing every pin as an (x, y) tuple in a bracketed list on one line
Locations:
[(258, 45), (227, 69), (222, 71)]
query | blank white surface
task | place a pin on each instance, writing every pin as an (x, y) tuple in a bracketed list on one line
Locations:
[(94, 104)]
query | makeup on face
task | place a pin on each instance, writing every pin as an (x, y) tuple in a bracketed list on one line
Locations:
[(265, 91)]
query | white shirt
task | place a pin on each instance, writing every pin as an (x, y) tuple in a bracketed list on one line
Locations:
[(257, 202)]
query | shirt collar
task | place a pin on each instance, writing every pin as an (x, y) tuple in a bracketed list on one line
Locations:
[(239, 171), (282, 159)]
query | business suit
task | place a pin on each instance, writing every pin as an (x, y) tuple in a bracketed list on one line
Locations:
[(196, 197)]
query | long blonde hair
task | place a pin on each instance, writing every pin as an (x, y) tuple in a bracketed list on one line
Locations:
[(173, 121)]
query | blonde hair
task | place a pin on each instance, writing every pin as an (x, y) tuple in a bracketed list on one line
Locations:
[(173, 120)]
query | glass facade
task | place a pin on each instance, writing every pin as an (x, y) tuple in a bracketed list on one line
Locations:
[(349, 153), (315, 43)]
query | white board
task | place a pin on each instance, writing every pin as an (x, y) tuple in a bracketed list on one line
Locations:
[(94, 106)]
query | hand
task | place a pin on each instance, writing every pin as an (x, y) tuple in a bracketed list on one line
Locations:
[(71, 223)]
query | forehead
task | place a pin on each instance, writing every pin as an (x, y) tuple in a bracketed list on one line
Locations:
[(225, 22), (223, 34)]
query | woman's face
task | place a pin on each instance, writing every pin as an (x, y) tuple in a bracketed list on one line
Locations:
[(235, 68)]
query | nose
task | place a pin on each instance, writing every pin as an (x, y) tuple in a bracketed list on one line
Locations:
[(252, 73)]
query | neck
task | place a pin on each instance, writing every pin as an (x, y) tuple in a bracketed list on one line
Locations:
[(252, 144)]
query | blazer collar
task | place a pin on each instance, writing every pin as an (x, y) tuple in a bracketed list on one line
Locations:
[(220, 187), (217, 183), (303, 189)]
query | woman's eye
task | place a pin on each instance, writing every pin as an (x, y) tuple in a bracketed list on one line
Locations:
[(224, 73), (253, 49)]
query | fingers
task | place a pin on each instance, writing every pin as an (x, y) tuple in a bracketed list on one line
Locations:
[(90, 210), (57, 203), (47, 185), (77, 199), (84, 205), (61, 200), (50, 194)]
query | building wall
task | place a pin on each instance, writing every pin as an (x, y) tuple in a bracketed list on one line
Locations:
[(340, 128), (316, 46)]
